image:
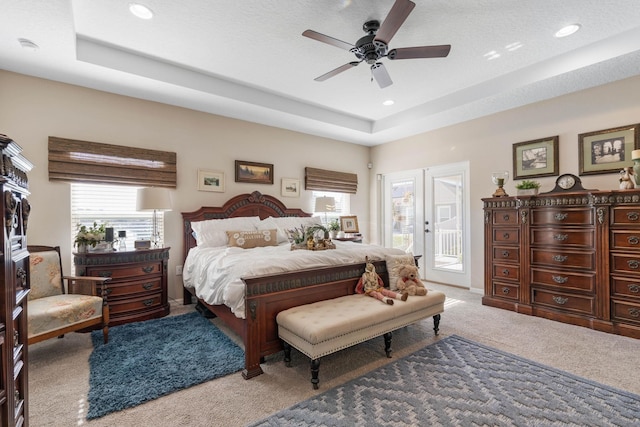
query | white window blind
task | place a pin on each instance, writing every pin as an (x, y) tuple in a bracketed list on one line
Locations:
[(342, 205), (114, 205)]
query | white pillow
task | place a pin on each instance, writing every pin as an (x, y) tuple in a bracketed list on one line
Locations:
[(282, 224), (393, 264), (213, 232)]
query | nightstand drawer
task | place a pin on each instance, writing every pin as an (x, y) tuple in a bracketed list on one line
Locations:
[(506, 254), (506, 290), (626, 287), (505, 217), (150, 285), (506, 272), (625, 215), (625, 263), (563, 258), (126, 272), (625, 240), (564, 301), (563, 279), (562, 237), (625, 311), (562, 216), (135, 304), (506, 235)]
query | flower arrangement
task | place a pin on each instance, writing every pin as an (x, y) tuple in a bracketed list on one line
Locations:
[(89, 236), (334, 225), (527, 185)]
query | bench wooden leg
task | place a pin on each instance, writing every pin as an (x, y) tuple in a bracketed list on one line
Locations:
[(436, 323), (315, 368), (387, 343), (287, 353)]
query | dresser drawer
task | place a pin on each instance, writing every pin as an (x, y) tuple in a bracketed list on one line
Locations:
[(506, 272), (126, 271), (135, 304), (151, 285), (562, 237), (625, 239), (506, 254), (564, 280), (562, 216), (505, 218), (625, 263), (622, 286), (506, 290), (564, 301), (625, 311), (563, 258), (506, 235), (626, 215)]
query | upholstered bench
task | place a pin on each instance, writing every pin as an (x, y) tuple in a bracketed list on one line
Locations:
[(324, 327)]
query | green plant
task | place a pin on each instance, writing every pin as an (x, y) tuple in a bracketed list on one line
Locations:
[(334, 225), (527, 185), (90, 235)]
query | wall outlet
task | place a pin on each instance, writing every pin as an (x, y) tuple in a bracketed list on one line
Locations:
[(178, 270)]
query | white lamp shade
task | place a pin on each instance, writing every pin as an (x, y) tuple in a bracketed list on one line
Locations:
[(325, 204), (153, 198)]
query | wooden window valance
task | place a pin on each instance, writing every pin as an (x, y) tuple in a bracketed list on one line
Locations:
[(91, 162), (326, 180)]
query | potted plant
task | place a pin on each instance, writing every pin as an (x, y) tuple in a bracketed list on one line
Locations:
[(527, 188), (334, 227), (89, 236)]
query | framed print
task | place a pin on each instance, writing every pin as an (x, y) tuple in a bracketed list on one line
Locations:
[(290, 187), (349, 224), (608, 150), (255, 173), (210, 180), (533, 159)]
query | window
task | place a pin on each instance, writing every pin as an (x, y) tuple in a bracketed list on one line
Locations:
[(342, 205), (114, 205)]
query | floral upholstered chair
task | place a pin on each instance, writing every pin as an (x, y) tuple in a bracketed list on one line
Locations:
[(52, 310)]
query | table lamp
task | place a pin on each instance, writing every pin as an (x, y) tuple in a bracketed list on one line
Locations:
[(325, 204), (154, 199)]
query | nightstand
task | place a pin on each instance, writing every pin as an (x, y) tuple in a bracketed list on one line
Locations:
[(138, 286)]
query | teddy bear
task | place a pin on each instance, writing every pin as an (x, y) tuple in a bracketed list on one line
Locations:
[(409, 281)]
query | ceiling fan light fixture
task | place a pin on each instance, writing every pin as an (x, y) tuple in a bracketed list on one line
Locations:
[(567, 31), (141, 11)]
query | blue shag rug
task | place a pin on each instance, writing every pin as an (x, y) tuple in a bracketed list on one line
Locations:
[(146, 360), (457, 382)]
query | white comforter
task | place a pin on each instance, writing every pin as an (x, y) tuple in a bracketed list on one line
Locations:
[(215, 273)]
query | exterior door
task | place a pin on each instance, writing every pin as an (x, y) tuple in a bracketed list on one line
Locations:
[(403, 212), (447, 224)]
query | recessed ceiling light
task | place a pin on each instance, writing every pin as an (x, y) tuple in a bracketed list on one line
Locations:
[(28, 44), (141, 11), (567, 31), (513, 46), (388, 102), (491, 55)]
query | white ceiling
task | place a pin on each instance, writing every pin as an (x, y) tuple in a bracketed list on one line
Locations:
[(248, 60)]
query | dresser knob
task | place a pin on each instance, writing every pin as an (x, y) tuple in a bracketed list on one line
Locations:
[(560, 258), (633, 263), (633, 216), (505, 290), (633, 240), (560, 216), (560, 300), (634, 288), (505, 254), (148, 286), (560, 237), (505, 272), (505, 217), (634, 312), (560, 279), (505, 235), (147, 269), (148, 302)]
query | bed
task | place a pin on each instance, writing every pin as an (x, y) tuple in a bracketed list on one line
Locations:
[(265, 295)]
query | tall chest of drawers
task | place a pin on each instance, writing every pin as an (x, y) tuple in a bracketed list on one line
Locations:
[(578, 258), (138, 286)]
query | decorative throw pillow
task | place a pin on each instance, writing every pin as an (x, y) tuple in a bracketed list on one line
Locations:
[(393, 264), (252, 238)]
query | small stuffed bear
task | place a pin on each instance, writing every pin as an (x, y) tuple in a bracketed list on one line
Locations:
[(371, 284), (409, 281)]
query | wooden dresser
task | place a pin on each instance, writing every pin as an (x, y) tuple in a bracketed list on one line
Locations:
[(14, 282), (570, 257), (138, 286)]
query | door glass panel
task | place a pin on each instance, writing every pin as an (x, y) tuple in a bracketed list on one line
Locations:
[(403, 214), (448, 226)]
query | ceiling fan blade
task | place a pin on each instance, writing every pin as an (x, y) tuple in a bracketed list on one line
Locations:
[(439, 51), (381, 75), (338, 70), (396, 17), (329, 40)]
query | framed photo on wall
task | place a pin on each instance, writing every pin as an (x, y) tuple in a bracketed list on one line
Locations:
[(606, 151), (210, 180), (349, 224), (255, 173), (536, 158), (290, 187)]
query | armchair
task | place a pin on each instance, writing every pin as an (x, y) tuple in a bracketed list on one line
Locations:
[(52, 310)]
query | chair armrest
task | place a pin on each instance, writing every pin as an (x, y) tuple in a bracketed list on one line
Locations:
[(75, 282)]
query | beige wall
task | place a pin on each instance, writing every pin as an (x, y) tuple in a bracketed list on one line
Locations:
[(487, 144), (33, 109)]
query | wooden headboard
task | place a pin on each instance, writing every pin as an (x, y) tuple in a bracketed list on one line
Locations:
[(254, 204)]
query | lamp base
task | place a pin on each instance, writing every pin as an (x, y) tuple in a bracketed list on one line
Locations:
[(500, 193)]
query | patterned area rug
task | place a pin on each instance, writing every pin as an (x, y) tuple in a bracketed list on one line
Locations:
[(457, 382), (146, 360)]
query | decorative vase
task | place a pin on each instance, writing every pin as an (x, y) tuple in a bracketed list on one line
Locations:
[(527, 191), (333, 234), (82, 248)]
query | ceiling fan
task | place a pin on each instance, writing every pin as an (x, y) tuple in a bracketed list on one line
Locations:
[(374, 46)]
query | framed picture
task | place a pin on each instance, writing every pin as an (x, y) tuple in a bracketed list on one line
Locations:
[(608, 150), (210, 180), (533, 159), (290, 187), (255, 173), (349, 224)]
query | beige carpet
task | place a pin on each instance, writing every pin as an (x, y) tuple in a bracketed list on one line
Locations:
[(59, 371)]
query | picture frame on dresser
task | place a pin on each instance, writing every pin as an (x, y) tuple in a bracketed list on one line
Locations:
[(536, 158), (608, 150), (349, 224)]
